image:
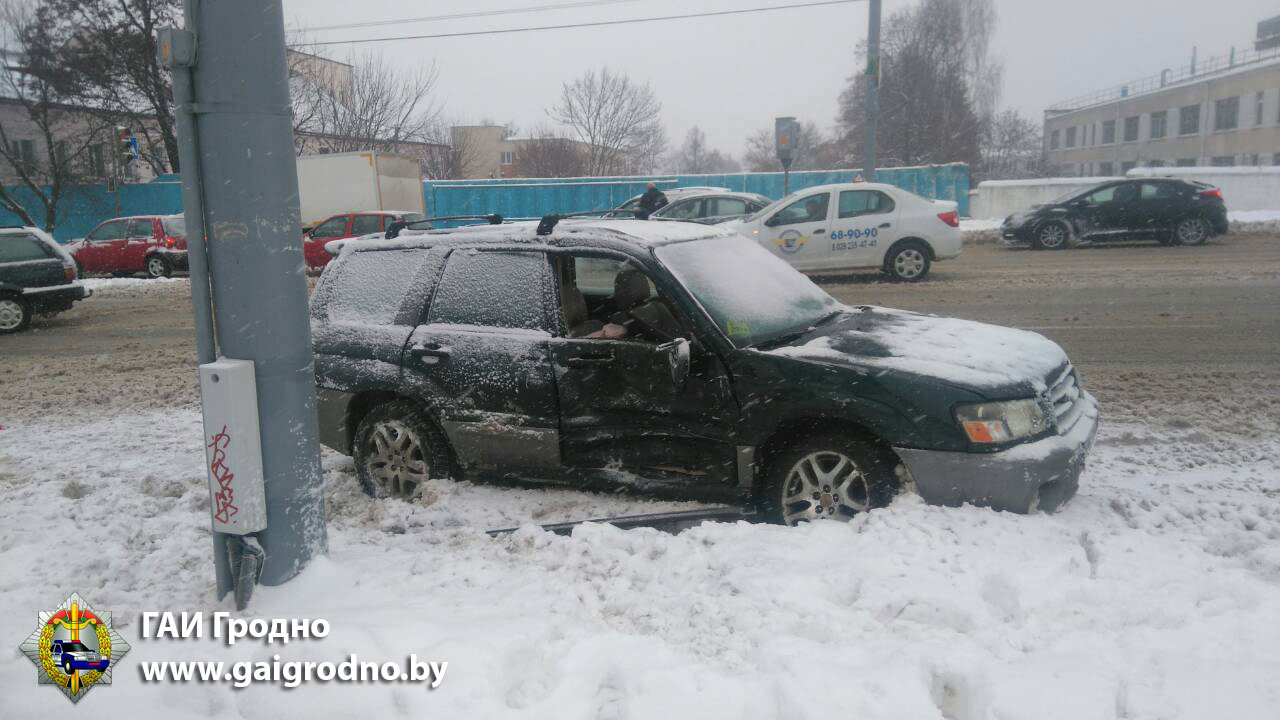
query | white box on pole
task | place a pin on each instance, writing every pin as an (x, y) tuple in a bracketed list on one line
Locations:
[(233, 446)]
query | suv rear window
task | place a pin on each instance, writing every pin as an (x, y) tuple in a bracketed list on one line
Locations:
[(23, 248), (370, 285), (492, 289)]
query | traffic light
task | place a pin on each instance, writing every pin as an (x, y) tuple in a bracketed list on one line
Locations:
[(126, 144)]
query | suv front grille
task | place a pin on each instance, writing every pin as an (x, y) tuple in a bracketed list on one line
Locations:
[(1064, 396)]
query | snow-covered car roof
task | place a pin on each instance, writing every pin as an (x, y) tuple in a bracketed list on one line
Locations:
[(585, 231), (43, 236)]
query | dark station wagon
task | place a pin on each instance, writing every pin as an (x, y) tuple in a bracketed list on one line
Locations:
[(681, 359)]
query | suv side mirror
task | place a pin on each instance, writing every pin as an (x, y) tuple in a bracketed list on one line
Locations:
[(771, 222), (678, 360)]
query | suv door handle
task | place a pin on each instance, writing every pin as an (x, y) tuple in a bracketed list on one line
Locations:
[(819, 231), (428, 354), (884, 225), (583, 361)]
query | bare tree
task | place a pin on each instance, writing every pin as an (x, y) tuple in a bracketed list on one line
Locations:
[(1012, 149), (616, 118), (548, 153), (696, 158), (111, 46), (927, 108), (62, 153), (812, 150), (371, 106)]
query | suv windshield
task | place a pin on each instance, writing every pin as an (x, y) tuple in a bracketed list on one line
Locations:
[(750, 294)]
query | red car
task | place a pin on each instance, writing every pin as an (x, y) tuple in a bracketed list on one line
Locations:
[(347, 225), (154, 244)]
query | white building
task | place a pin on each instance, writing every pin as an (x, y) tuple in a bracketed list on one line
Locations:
[(1219, 111)]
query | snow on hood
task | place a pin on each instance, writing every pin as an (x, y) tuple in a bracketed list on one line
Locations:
[(961, 352)]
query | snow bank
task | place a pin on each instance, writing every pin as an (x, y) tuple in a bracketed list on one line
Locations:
[(1154, 593), (129, 285)]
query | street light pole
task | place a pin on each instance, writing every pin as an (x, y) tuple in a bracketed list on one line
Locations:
[(249, 292), (873, 91)]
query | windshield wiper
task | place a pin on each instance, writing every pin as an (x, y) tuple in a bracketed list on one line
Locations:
[(786, 337)]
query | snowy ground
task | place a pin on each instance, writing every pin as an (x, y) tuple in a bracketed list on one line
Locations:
[(1154, 594)]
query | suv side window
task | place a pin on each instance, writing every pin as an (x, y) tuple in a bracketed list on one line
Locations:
[(23, 248), (721, 206), (331, 228), (492, 289), (107, 232), (1157, 190), (141, 228), (864, 202), (371, 285), (365, 224), (684, 210)]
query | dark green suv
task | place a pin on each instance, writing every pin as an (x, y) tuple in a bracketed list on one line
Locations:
[(37, 277), (678, 357)]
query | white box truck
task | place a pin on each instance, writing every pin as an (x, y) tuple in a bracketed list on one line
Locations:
[(355, 181)]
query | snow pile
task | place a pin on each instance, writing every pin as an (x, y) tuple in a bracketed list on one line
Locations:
[(1154, 593), (129, 285)]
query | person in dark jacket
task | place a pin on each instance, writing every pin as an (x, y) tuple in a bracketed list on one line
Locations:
[(650, 201)]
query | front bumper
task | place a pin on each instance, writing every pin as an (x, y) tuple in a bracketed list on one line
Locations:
[(1015, 234), (1041, 474)]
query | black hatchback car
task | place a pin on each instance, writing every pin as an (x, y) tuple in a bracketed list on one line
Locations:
[(1171, 211), (677, 356)]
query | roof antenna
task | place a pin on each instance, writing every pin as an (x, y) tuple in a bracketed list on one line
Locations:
[(548, 224)]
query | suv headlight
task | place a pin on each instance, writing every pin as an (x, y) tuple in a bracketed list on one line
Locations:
[(1000, 422)]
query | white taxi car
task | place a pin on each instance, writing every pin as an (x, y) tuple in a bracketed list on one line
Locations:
[(857, 225)]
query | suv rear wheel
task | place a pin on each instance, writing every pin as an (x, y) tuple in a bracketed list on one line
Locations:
[(15, 314), (827, 477), (1191, 231), (397, 449), (158, 267)]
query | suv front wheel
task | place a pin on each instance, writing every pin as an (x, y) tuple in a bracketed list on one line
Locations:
[(827, 477), (397, 449)]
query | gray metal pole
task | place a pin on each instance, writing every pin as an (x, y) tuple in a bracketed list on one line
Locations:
[(197, 259), (873, 91), (240, 123)]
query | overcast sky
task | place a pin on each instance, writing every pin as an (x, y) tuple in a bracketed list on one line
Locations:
[(733, 75)]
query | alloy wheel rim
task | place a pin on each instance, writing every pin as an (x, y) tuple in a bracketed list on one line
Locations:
[(1191, 232), (155, 267), (824, 485), (1052, 236), (10, 314), (397, 464), (909, 263)]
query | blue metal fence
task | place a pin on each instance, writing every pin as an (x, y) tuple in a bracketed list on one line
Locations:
[(84, 206), (531, 198)]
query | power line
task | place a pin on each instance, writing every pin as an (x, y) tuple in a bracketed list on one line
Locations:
[(600, 23), (460, 16)]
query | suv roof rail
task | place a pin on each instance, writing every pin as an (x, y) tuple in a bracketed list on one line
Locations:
[(393, 230)]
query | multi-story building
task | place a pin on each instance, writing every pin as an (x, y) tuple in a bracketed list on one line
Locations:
[(1219, 111)]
